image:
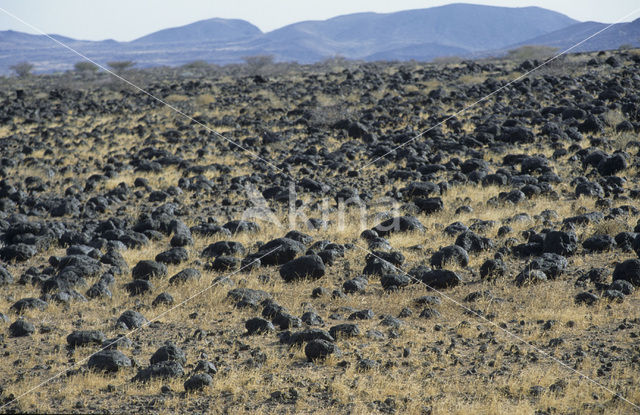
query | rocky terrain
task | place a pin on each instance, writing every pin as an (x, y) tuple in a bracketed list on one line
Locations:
[(152, 263)]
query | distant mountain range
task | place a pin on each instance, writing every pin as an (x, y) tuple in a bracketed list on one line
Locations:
[(463, 30)]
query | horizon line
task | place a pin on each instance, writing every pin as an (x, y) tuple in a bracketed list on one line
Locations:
[(262, 32)]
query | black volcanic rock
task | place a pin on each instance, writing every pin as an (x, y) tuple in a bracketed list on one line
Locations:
[(168, 352), (399, 224), (162, 370), (109, 361), (146, 269), (452, 254), (560, 243), (628, 270), (279, 251), (21, 328), (305, 267), (319, 349)]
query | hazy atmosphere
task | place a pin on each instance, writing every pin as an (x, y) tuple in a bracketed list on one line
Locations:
[(126, 20), (302, 208)]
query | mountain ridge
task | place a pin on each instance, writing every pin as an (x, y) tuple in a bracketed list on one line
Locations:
[(457, 29)]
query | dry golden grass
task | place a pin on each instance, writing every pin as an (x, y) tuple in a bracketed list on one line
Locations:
[(457, 364)]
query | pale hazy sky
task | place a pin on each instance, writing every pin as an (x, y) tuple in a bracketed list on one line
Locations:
[(129, 19)]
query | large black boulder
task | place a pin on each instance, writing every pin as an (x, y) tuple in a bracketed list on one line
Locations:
[(184, 276), (258, 325), (561, 243), (219, 248), (109, 361), (17, 252), (21, 328), (198, 382), (305, 267), (439, 278), (553, 265), (173, 256), (450, 255), (319, 349), (5, 276), (131, 319), (399, 224), (599, 243), (473, 243), (168, 352), (29, 303), (79, 338), (628, 270), (163, 370), (146, 269), (279, 251)]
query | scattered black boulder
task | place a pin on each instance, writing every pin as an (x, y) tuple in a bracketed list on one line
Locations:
[(109, 361), (305, 267)]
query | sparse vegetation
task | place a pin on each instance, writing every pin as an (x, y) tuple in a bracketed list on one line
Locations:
[(531, 52), (98, 168), (23, 69), (86, 67), (120, 66), (259, 64)]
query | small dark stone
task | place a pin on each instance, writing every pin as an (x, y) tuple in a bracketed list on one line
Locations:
[(81, 338), (198, 382), (168, 352), (392, 282), (131, 319), (530, 276), (625, 287), (137, 287), (21, 328), (258, 325), (344, 330), (29, 304), (319, 349), (184, 276), (161, 370), (162, 299), (586, 298), (429, 313), (361, 315)]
